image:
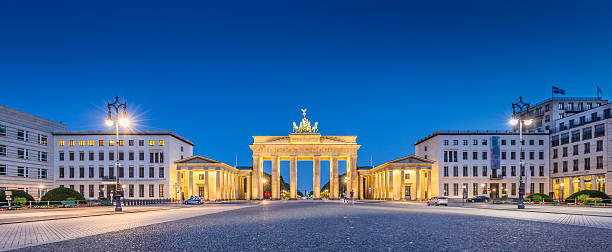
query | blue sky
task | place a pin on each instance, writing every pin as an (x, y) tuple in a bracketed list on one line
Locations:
[(220, 72)]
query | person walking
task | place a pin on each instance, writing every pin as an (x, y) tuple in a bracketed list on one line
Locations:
[(344, 194), (352, 199)]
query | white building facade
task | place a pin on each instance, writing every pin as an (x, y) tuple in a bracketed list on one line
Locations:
[(26, 151), (580, 152), (85, 161), (485, 163)]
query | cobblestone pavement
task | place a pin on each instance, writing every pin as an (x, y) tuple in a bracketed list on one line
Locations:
[(324, 226), (39, 232)]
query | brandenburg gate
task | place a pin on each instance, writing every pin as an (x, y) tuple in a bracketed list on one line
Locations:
[(305, 143)]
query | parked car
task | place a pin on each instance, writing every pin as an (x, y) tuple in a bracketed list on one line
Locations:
[(436, 201), (484, 199), (194, 200)]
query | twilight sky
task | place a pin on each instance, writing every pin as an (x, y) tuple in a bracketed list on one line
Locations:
[(219, 72)]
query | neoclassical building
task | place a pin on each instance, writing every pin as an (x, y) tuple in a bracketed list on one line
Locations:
[(407, 178)]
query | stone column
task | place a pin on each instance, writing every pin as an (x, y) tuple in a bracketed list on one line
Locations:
[(190, 184), (256, 185), (402, 184), (360, 185), (334, 170), (249, 196), (429, 184), (179, 185), (212, 185), (275, 174), (396, 184), (418, 184), (354, 177), (316, 175), (206, 182), (293, 177)]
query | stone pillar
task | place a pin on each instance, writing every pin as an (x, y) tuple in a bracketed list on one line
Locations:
[(334, 191), (418, 184), (256, 185), (316, 175), (360, 185), (179, 185), (206, 182), (212, 185), (275, 174), (293, 177), (429, 184), (396, 184), (249, 195), (402, 184), (190, 184), (354, 177)]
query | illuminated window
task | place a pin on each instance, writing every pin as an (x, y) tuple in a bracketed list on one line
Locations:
[(91, 142), (161, 142), (101, 142), (111, 142), (120, 142), (81, 142), (71, 142), (61, 143), (151, 142)]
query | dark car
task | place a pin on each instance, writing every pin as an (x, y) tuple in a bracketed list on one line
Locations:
[(479, 199)]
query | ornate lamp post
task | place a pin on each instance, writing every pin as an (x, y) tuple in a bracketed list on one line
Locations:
[(518, 108), (123, 121)]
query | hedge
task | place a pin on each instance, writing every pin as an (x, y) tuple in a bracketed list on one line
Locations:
[(589, 193), (16, 194), (62, 194), (539, 196)]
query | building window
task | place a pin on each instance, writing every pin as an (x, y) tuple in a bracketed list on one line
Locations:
[(599, 162), (161, 142), (575, 150), (101, 142), (61, 143), (600, 130), (42, 139), (513, 191), (81, 142), (42, 173), (131, 171), (599, 145), (3, 170), (575, 136), (513, 155), (101, 172), (141, 191), (2, 130), (120, 155), (587, 133), (564, 166), (111, 171), (71, 142), (474, 155), (91, 156), (465, 142), (151, 191), (555, 153), (151, 142), (91, 191), (445, 171), (532, 171), (531, 155), (71, 156), (71, 172), (512, 142), (121, 171), (475, 141), (445, 189), (555, 167), (131, 142), (475, 171), (564, 152), (111, 155), (141, 172), (151, 171), (23, 135), (131, 191), (475, 189), (140, 142), (445, 142), (91, 142), (161, 190), (465, 171), (162, 174), (141, 156), (101, 155), (61, 172), (23, 153), (91, 172), (541, 188), (587, 148), (81, 156), (484, 155), (484, 171), (465, 155), (575, 165), (541, 155), (131, 155), (101, 191), (22, 172), (503, 142), (82, 189), (121, 142), (587, 164), (541, 171), (541, 142), (503, 168), (455, 171), (503, 155), (42, 156), (455, 189), (111, 142)]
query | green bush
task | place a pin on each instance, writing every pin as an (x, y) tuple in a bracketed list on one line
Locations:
[(19, 201), (588, 193), (539, 197), (16, 194), (62, 194)]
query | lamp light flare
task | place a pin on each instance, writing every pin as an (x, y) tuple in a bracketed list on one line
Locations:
[(514, 121), (124, 121), (528, 122), (109, 122)]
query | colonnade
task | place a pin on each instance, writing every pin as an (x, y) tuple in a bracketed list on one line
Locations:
[(334, 191), (212, 184), (397, 184)]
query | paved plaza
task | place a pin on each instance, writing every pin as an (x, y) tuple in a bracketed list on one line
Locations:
[(320, 225)]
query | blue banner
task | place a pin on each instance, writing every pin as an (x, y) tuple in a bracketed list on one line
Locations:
[(495, 163)]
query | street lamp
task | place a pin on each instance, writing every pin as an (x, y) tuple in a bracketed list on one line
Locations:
[(123, 121), (518, 108)]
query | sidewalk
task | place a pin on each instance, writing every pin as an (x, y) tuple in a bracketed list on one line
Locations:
[(573, 210)]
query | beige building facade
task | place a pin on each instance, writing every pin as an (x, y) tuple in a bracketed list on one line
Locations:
[(407, 178)]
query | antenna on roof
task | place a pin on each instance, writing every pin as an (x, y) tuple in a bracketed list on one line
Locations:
[(236, 164)]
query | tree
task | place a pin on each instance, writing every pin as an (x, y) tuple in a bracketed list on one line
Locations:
[(342, 187), (16, 194), (62, 194)]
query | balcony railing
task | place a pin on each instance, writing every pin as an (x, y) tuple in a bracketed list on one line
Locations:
[(496, 176)]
